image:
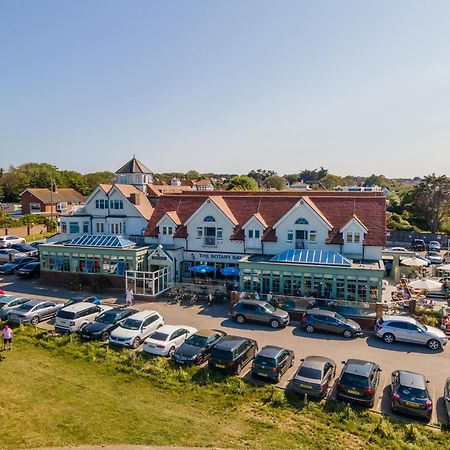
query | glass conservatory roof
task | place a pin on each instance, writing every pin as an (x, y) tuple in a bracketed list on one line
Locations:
[(312, 257), (104, 241)]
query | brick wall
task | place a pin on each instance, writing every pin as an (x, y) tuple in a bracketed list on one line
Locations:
[(24, 230)]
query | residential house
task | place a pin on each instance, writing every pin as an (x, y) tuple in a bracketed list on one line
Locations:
[(57, 201)]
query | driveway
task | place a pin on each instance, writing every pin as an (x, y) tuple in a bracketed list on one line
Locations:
[(435, 366)]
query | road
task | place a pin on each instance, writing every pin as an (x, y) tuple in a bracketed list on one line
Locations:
[(435, 366)]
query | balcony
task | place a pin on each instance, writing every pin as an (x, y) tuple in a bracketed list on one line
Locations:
[(301, 244), (209, 241)]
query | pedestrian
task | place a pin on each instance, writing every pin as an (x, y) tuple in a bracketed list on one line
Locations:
[(129, 297), (7, 337), (209, 299)]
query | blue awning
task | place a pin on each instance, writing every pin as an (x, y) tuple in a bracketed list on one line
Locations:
[(202, 269), (312, 257), (228, 271)]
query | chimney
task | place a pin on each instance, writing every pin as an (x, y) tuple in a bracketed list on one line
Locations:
[(135, 198), (54, 187)]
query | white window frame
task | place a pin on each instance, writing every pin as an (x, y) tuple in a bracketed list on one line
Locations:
[(291, 233)]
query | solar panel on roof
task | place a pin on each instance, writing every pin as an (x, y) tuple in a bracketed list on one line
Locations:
[(312, 257), (105, 241)]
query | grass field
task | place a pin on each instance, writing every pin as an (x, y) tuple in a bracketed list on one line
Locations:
[(57, 391)]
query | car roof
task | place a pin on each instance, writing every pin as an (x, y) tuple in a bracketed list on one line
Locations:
[(359, 367), (399, 319), (76, 307), (141, 315), (316, 362), (251, 301), (34, 302), (412, 379), (117, 310), (169, 328), (322, 312), (270, 351), (7, 298), (230, 342), (205, 332)]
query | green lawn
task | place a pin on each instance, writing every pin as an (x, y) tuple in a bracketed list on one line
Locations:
[(57, 391)]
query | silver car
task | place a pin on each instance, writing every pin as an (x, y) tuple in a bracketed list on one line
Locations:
[(34, 312), (6, 254), (407, 329), (10, 302), (258, 311)]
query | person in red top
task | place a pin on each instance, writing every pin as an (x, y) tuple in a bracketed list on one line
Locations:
[(7, 337)]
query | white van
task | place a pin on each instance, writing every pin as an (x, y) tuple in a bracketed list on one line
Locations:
[(74, 317)]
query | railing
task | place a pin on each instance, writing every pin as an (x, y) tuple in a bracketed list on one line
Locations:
[(300, 244), (209, 241)]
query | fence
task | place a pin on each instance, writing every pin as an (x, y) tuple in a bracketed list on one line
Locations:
[(403, 238), (26, 230)]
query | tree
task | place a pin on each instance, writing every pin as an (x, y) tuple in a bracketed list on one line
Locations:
[(430, 201), (260, 175), (192, 175), (313, 175), (275, 182), (331, 181), (242, 183)]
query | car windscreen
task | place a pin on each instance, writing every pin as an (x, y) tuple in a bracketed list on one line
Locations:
[(65, 314), (269, 307), (217, 353), (25, 307), (196, 340), (30, 266), (340, 318), (412, 392), (354, 380), (2, 303), (157, 336), (107, 318), (264, 361), (309, 372), (132, 324)]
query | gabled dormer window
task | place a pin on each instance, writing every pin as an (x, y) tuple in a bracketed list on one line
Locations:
[(254, 233)]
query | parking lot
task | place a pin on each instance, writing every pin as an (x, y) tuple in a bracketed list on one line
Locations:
[(435, 366)]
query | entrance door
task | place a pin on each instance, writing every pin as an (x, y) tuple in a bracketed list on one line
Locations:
[(301, 239)]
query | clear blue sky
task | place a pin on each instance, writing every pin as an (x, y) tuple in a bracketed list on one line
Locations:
[(356, 86)]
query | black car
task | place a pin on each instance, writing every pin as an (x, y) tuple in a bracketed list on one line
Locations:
[(410, 395), (447, 399), (30, 270), (329, 321), (418, 245), (15, 264), (232, 353), (358, 382), (314, 376), (105, 323), (25, 248), (272, 362), (93, 299), (197, 348)]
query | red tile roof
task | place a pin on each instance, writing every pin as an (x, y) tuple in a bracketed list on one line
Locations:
[(336, 208)]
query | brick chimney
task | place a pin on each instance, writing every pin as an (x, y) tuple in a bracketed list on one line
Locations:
[(135, 198)]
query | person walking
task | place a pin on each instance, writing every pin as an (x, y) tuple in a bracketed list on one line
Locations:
[(129, 297), (7, 337)]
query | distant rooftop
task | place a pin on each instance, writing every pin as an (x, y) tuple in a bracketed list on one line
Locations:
[(134, 166)]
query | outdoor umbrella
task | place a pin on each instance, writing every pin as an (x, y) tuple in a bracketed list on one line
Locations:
[(413, 262), (444, 268), (425, 284), (202, 269), (227, 271)]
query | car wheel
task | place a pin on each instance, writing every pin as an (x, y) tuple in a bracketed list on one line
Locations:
[(104, 337), (171, 352), (433, 344), (389, 338), (310, 329), (34, 320), (348, 334), (274, 323), (136, 343), (238, 369), (240, 318)]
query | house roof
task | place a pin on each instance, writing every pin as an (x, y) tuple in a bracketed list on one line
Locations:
[(45, 195), (337, 208), (202, 182), (156, 190), (134, 166)]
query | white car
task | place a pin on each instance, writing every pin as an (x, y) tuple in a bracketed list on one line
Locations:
[(6, 252), (136, 329), (167, 339), (73, 318), (6, 241), (397, 249), (434, 257)]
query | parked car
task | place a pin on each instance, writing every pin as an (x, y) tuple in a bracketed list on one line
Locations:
[(408, 329), (30, 270), (329, 321), (10, 302), (410, 395), (418, 245), (6, 241), (27, 249), (314, 376), (447, 257), (358, 382), (167, 339), (74, 317), (232, 354), (7, 254), (33, 312), (11, 266), (447, 399), (104, 323), (197, 348), (397, 249), (272, 362), (423, 258), (136, 328), (257, 311), (434, 257), (434, 246), (92, 299)]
